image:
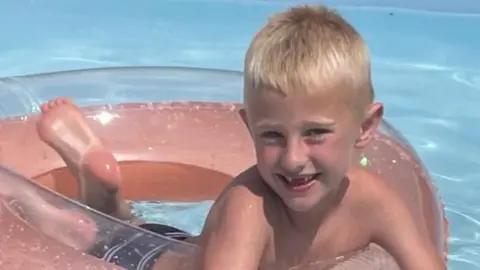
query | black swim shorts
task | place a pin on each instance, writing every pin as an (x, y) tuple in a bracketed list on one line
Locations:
[(134, 250)]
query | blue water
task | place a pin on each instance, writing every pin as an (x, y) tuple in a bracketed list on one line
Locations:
[(426, 69), (187, 216)]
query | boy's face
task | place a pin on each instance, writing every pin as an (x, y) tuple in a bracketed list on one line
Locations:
[(304, 144)]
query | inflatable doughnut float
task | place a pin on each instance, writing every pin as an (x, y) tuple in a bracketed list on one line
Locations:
[(169, 151)]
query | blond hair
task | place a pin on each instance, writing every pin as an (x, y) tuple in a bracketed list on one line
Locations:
[(308, 48)]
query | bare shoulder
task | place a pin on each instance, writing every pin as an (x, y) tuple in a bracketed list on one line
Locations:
[(367, 192), (236, 231), (376, 202), (246, 195), (391, 224), (372, 193)]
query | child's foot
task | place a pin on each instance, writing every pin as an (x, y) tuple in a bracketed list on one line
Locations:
[(64, 128)]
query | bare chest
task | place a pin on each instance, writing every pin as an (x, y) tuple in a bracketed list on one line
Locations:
[(338, 237)]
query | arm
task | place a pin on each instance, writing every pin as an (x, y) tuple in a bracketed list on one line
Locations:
[(395, 230), (236, 232)]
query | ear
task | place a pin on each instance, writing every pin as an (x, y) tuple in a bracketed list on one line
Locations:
[(373, 116)]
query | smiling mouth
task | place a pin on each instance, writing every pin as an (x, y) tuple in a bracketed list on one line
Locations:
[(298, 183)]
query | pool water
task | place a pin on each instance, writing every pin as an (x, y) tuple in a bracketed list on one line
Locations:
[(426, 70), (187, 216)]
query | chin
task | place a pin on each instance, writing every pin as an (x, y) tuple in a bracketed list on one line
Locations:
[(300, 204)]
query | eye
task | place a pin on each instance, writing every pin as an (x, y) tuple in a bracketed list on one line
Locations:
[(271, 134), (316, 134), (271, 137)]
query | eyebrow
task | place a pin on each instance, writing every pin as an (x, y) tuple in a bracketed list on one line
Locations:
[(266, 123), (327, 123)]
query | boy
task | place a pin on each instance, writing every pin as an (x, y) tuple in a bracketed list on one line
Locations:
[(308, 104)]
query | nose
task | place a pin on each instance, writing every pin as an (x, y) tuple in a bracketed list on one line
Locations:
[(295, 157)]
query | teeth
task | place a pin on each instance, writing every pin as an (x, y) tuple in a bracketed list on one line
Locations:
[(300, 179)]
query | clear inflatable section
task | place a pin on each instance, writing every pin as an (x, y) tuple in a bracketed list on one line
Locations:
[(23, 95), (58, 222), (31, 216)]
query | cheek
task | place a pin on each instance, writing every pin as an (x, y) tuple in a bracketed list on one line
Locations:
[(267, 155), (333, 153)]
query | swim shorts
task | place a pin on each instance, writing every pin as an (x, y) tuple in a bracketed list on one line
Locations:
[(134, 250)]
